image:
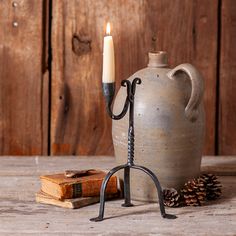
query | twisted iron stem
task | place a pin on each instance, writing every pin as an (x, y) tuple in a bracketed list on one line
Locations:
[(131, 146)]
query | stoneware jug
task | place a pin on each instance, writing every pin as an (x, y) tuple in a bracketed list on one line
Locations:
[(168, 124)]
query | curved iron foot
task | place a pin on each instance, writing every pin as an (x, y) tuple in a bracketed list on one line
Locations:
[(169, 216), (127, 204), (97, 219), (102, 192), (159, 190)]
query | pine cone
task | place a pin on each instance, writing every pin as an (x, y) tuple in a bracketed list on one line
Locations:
[(194, 192), (212, 185), (171, 197)]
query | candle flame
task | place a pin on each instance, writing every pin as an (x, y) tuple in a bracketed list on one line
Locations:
[(108, 28)]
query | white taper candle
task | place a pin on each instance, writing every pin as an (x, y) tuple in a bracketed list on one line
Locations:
[(108, 71)]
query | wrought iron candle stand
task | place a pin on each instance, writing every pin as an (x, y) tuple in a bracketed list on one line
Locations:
[(109, 91)]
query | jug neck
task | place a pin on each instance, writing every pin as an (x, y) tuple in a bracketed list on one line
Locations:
[(157, 59)]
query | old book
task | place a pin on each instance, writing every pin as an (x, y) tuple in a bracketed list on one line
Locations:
[(74, 203), (61, 187)]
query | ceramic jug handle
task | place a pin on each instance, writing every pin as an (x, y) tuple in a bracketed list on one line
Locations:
[(191, 110)]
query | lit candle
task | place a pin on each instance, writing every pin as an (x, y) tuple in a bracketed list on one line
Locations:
[(108, 71)]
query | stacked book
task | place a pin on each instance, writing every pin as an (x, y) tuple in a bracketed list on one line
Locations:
[(75, 189)]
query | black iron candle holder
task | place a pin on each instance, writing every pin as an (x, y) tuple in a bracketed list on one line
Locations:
[(109, 91)]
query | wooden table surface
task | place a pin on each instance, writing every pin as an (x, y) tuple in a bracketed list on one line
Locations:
[(21, 215)]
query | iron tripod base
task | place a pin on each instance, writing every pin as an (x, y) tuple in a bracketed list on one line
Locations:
[(127, 202), (109, 91)]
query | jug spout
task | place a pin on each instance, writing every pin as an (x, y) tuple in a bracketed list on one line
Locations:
[(157, 59)]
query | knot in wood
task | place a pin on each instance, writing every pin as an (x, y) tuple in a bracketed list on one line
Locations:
[(81, 44)]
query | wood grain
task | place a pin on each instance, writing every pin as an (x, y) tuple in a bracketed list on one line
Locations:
[(186, 29), (227, 85), (17, 202), (23, 78)]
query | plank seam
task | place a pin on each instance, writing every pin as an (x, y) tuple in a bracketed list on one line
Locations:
[(217, 111), (50, 74)]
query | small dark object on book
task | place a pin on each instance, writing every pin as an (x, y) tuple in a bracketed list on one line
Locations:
[(77, 173)]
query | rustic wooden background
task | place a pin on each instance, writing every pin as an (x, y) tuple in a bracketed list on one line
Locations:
[(51, 57)]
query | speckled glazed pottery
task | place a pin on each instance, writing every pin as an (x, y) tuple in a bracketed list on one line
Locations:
[(168, 124)]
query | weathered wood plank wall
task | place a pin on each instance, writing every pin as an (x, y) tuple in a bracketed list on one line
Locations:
[(23, 78), (185, 29), (227, 79), (189, 30)]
